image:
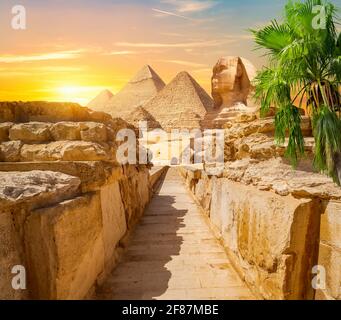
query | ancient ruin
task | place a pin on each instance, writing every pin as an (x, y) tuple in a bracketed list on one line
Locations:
[(232, 91), (183, 103), (101, 100), (85, 225), (141, 88)]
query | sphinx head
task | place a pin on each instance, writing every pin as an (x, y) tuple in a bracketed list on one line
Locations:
[(231, 82)]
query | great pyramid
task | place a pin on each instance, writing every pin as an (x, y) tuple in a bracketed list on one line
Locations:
[(100, 101), (183, 103), (142, 87)]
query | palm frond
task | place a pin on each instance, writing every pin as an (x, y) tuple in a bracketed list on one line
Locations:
[(327, 128)]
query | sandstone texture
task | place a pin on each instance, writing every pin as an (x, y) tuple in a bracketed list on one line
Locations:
[(66, 205), (330, 252)]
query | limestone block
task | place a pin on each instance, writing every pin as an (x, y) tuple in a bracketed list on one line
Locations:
[(135, 192), (40, 187), (276, 175), (330, 250), (86, 151), (10, 151), (66, 131), (330, 259), (92, 131), (203, 193), (245, 117), (143, 188), (66, 151), (239, 130), (272, 238), (257, 146), (114, 221), (65, 248), (93, 174), (331, 224), (4, 131), (32, 132), (10, 256)]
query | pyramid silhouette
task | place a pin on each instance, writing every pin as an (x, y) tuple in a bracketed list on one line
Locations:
[(100, 101), (183, 103), (142, 87)]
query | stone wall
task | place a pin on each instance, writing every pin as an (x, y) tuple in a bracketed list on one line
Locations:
[(66, 205), (275, 223), (66, 240)]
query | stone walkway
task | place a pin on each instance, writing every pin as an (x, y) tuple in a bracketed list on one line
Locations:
[(173, 255)]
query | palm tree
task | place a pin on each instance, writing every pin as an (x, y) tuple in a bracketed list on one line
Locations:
[(304, 65)]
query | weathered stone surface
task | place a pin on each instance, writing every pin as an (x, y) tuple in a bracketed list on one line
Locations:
[(275, 175), (114, 221), (32, 132), (239, 129), (272, 258), (66, 131), (330, 251), (48, 112), (66, 150), (330, 260), (10, 151), (135, 192), (4, 131), (92, 131), (65, 245), (36, 186), (203, 193), (93, 174), (10, 256), (257, 146)]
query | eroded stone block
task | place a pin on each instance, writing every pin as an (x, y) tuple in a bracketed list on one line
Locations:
[(65, 248), (32, 132), (4, 131)]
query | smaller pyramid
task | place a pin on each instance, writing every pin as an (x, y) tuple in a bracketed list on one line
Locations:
[(141, 88), (183, 103), (141, 114), (100, 101)]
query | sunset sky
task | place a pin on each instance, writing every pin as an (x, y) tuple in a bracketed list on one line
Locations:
[(73, 49)]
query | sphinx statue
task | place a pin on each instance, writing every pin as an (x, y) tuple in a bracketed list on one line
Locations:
[(232, 82)]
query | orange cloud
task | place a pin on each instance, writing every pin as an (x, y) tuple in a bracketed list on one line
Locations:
[(40, 57)]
